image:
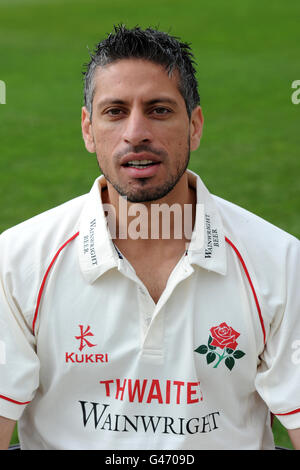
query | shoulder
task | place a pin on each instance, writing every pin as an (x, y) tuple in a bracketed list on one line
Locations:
[(257, 234), (34, 240), (271, 255), (27, 249)]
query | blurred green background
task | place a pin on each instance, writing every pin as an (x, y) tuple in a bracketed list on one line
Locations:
[(248, 57)]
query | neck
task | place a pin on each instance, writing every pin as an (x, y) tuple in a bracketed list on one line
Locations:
[(169, 218)]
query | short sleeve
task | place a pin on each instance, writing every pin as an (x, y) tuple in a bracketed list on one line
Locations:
[(278, 378), (19, 364)]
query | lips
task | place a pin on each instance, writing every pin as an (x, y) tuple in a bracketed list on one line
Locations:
[(141, 165), (139, 159)]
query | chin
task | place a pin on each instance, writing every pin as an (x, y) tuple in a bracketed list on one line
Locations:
[(147, 195)]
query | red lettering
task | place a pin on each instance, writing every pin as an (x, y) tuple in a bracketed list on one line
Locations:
[(81, 358), (85, 358), (179, 385), (168, 391), (191, 392), (120, 389), (136, 389), (107, 382), (69, 357), (157, 396), (89, 358)]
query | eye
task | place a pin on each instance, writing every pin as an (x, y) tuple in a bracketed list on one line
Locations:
[(114, 112), (161, 111)]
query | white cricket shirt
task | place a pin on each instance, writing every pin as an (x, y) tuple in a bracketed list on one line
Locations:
[(89, 361)]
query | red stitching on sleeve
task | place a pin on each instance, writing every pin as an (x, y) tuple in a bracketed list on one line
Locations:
[(14, 401), (45, 278), (289, 413), (251, 285)]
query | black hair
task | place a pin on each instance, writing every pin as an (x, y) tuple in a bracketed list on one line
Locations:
[(149, 44)]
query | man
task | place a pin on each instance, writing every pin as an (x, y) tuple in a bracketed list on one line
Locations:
[(120, 332)]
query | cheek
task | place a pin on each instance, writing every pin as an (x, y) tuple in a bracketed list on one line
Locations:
[(103, 151), (175, 137), (180, 145), (104, 143), (104, 132)]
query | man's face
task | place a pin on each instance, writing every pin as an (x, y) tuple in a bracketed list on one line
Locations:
[(140, 129)]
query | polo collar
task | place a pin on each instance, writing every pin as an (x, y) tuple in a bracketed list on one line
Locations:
[(207, 246), (97, 253), (96, 250)]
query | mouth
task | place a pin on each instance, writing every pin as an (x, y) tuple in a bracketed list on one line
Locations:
[(140, 165), (141, 158)]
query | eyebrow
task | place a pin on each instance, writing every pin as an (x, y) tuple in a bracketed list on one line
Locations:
[(113, 101), (162, 99)]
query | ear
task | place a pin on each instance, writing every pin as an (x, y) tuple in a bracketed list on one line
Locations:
[(196, 126), (87, 133)]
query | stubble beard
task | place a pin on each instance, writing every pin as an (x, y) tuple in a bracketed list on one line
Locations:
[(149, 194)]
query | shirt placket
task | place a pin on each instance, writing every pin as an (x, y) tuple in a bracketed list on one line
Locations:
[(146, 308), (151, 315), (153, 339)]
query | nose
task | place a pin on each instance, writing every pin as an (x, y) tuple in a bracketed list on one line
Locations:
[(137, 128)]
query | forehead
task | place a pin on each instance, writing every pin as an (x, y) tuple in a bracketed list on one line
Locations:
[(128, 78)]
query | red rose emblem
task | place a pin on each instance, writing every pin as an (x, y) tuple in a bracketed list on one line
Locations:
[(224, 336)]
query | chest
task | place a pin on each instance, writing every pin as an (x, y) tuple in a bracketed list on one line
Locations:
[(116, 309), (153, 267), (154, 274)]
